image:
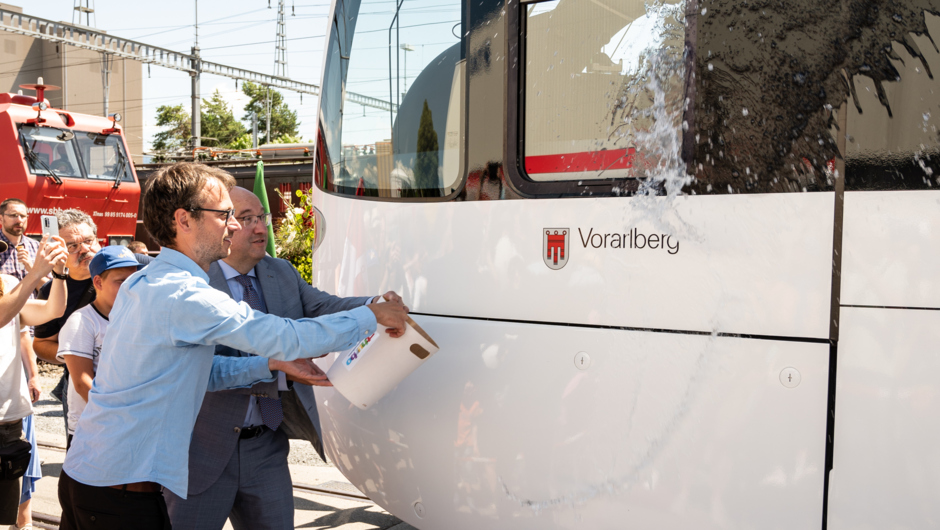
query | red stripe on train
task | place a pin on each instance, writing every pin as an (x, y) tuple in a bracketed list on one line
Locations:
[(575, 162)]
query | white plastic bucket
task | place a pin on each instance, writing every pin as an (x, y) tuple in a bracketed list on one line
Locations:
[(367, 372)]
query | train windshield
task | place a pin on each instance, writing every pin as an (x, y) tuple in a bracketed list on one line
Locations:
[(399, 117), (50, 150), (75, 154), (103, 156)]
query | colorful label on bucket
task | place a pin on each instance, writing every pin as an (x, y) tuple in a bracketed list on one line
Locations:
[(356, 352)]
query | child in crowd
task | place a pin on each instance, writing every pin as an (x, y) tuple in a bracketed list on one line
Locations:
[(83, 333)]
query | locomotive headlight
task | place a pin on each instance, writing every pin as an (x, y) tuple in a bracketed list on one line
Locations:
[(40, 106), (116, 117)]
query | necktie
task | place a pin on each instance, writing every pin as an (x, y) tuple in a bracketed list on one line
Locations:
[(272, 414)]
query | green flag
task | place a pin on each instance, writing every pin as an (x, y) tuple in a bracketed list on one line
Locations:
[(262, 195)]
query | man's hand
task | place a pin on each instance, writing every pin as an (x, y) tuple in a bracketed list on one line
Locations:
[(34, 390), (301, 371), (390, 296), (392, 316), (51, 254), (22, 256)]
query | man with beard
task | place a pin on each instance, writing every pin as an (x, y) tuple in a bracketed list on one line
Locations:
[(158, 358), (20, 254), (243, 475), (81, 241)]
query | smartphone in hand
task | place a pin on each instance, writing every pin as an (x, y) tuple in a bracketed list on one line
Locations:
[(50, 225)]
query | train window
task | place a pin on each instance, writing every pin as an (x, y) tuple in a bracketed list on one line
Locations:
[(50, 150), (401, 113), (588, 92), (103, 156)]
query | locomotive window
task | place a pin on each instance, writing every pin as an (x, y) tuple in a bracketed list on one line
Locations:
[(589, 95), (48, 148), (401, 113), (103, 156)]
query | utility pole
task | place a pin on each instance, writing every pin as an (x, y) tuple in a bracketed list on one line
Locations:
[(280, 49), (280, 62), (106, 61), (197, 69), (88, 10), (267, 104)]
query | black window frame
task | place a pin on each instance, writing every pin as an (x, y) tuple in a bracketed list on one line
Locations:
[(514, 125)]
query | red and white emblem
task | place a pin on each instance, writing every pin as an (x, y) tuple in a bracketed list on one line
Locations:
[(555, 247)]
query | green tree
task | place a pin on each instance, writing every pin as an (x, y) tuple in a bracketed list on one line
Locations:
[(177, 134), (283, 120), (219, 122), (427, 182)]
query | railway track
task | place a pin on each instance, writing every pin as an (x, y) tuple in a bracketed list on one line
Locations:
[(331, 489)]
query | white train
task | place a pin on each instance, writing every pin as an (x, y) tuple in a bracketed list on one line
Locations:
[(623, 346)]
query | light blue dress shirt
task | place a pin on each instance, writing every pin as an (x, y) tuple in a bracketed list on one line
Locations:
[(157, 362)]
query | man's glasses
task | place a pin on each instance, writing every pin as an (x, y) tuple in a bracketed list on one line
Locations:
[(75, 246), (16, 216), (249, 221), (229, 214)]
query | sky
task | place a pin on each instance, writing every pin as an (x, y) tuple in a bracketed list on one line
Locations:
[(238, 33)]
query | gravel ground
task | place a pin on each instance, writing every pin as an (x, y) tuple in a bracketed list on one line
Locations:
[(49, 418)]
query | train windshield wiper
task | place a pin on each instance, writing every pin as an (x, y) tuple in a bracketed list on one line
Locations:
[(122, 167), (33, 157)]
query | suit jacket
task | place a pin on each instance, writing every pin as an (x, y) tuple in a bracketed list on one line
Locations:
[(223, 413)]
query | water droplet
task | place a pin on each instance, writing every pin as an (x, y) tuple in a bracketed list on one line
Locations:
[(711, 67), (744, 112), (704, 10)]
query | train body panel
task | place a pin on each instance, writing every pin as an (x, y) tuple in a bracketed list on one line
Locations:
[(504, 430)]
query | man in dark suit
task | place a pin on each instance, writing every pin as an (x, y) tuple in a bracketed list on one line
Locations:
[(238, 454)]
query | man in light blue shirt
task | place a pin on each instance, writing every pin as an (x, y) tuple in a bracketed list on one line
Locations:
[(158, 358)]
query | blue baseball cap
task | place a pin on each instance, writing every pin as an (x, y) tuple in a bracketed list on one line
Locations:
[(112, 257)]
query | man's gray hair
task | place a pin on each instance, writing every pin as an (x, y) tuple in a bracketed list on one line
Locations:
[(71, 217)]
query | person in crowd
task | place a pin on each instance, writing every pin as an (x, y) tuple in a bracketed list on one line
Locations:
[(83, 333), (24, 517), (244, 474), (80, 234), (16, 260), (20, 253), (137, 247), (140, 252), (18, 310), (157, 360)]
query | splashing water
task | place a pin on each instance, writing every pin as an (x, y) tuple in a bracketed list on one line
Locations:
[(654, 105)]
